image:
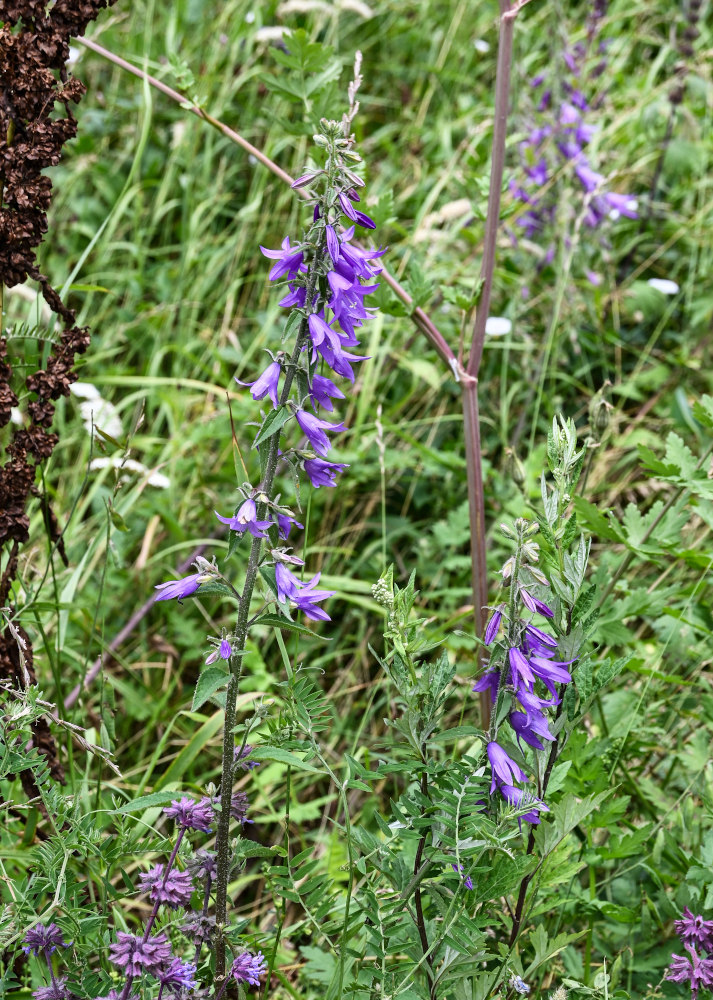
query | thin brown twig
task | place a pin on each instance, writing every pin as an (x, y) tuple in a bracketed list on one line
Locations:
[(419, 317)]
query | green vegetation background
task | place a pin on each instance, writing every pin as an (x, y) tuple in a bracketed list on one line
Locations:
[(157, 221)]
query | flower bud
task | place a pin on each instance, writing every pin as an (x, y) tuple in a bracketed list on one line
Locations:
[(515, 468), (507, 531)]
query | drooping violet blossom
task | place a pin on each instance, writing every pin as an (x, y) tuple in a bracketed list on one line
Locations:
[(190, 814), (323, 391), (493, 625), (178, 976), (246, 520), (289, 260), (134, 955), (322, 473), (223, 651), (174, 891), (179, 588), (43, 939), (695, 930), (533, 604), (467, 880), (266, 384), (693, 969), (248, 968), (490, 681), (314, 430), (203, 865), (520, 668), (505, 769), (303, 595), (285, 523), (528, 726)]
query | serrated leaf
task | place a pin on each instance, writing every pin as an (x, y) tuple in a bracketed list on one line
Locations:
[(210, 681), (277, 621), (273, 423), (282, 756), (703, 411)]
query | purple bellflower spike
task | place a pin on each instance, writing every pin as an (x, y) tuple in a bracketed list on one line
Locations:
[(190, 814), (314, 429), (134, 955), (43, 939), (224, 651), (266, 384), (248, 968), (289, 260), (323, 391), (533, 604), (467, 881), (57, 990), (178, 588), (323, 473), (246, 520), (695, 930), (178, 976), (696, 970), (175, 892), (493, 625), (505, 769)]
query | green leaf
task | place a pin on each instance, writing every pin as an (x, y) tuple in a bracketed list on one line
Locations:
[(147, 802), (283, 757), (592, 518), (210, 681), (277, 621), (703, 411), (273, 423)]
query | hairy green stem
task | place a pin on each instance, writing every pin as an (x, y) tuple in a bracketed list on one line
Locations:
[(420, 921), (241, 632)]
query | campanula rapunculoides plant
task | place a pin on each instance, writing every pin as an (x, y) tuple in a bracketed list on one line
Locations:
[(326, 276)]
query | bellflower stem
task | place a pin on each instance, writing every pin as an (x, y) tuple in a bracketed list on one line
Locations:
[(222, 843)]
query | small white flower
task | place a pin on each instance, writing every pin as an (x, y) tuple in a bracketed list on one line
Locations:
[(85, 390), (250, 16), (273, 33), (497, 326), (664, 285), (480, 45), (131, 465)]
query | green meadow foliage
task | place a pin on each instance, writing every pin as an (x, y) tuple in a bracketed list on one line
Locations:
[(375, 863)]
